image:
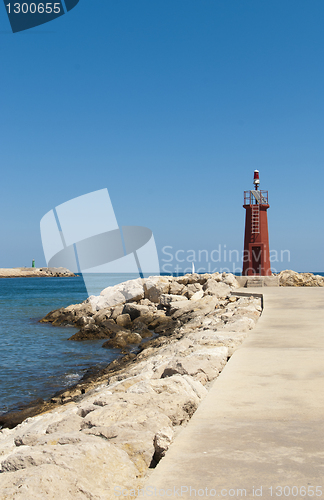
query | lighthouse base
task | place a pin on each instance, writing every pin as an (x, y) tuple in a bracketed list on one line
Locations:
[(257, 281)]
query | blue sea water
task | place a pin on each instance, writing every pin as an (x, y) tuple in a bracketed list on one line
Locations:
[(36, 359)]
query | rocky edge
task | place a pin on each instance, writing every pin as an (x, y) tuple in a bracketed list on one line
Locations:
[(116, 427)]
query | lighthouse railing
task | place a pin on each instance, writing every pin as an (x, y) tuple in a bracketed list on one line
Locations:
[(250, 197)]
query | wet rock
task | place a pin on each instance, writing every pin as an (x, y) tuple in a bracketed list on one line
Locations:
[(90, 332), (161, 319), (68, 315), (142, 329), (124, 320), (123, 339), (102, 315), (84, 321), (135, 310), (168, 328), (161, 324), (144, 319), (53, 315)]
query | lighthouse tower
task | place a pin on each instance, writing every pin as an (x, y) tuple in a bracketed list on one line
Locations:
[(256, 257)]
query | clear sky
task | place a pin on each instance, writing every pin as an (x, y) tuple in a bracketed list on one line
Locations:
[(171, 105)]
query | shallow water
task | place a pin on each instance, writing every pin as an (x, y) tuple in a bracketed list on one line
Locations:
[(36, 359)]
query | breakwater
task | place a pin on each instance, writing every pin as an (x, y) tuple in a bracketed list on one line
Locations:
[(120, 424)]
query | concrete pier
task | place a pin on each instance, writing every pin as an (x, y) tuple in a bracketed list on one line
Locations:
[(259, 432)]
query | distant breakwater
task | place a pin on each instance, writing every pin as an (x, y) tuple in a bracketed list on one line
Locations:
[(35, 272)]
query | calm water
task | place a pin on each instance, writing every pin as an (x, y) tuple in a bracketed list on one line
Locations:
[(36, 359)]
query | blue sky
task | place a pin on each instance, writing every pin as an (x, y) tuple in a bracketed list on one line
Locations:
[(171, 105)]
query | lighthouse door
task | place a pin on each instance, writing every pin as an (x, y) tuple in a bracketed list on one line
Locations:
[(256, 260)]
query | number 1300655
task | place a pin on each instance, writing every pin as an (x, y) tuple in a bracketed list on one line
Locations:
[(33, 8)]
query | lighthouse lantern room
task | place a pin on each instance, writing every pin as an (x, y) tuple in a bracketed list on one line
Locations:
[(256, 256)]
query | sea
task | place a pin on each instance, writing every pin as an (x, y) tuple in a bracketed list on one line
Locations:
[(37, 359)]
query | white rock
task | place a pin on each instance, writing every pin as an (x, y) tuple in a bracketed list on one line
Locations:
[(155, 286), (176, 288), (68, 424), (175, 385), (212, 287), (209, 361), (162, 441), (167, 299), (133, 290), (217, 277), (119, 407), (180, 305), (238, 325), (229, 339), (110, 298), (231, 280), (199, 389), (197, 296), (291, 278), (82, 471), (141, 388), (116, 311)]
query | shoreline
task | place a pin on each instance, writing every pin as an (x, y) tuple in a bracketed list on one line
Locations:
[(78, 315), (120, 421), (94, 374), (14, 417)]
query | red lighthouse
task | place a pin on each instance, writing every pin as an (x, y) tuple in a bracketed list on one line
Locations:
[(256, 257)]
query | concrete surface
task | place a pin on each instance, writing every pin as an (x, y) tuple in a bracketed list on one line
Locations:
[(262, 422)]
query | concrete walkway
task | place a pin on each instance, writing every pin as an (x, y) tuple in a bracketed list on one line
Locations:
[(262, 423)]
